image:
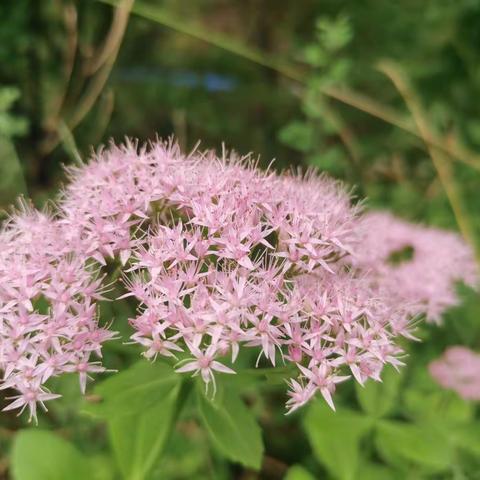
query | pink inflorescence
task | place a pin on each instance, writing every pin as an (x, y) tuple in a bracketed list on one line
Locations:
[(227, 256), (219, 256), (424, 281), (48, 323), (458, 369)]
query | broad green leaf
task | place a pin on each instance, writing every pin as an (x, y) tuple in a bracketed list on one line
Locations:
[(232, 428), (103, 467), (403, 444), (138, 439), (186, 454), (335, 438), (42, 455), (375, 471), (143, 385), (378, 399), (297, 472), (438, 406), (467, 437)]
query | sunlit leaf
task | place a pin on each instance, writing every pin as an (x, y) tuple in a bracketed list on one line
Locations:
[(375, 471), (403, 444), (438, 406), (380, 398), (141, 386), (467, 437), (139, 438), (336, 438), (43, 455), (232, 428), (297, 472)]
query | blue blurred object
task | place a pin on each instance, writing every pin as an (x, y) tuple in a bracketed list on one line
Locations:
[(210, 81)]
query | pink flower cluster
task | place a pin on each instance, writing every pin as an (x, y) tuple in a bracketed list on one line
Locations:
[(48, 323), (232, 261), (458, 369), (424, 283), (245, 258), (219, 257)]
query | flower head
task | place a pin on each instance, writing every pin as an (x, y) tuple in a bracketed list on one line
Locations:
[(425, 279), (219, 257), (458, 369), (240, 258), (48, 323)]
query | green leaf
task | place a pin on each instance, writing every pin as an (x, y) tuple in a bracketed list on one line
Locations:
[(8, 96), (10, 125), (136, 389), (186, 454), (335, 438), (42, 455), (439, 406), (375, 471), (330, 160), (402, 444), (297, 135), (232, 427), (334, 34), (467, 437), (378, 399), (103, 467), (314, 55), (297, 472), (12, 181), (138, 439)]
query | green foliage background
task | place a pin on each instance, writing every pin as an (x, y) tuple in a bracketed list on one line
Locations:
[(383, 94)]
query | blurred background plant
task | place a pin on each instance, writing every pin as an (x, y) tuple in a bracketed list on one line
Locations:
[(380, 94)]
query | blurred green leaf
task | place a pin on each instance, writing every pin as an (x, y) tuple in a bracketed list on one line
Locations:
[(297, 472), (463, 318), (103, 467), (334, 34), (467, 437), (439, 406), (403, 444), (10, 125), (8, 96), (297, 135), (139, 387), (139, 438), (331, 160), (186, 454), (375, 471), (12, 181), (314, 55), (378, 399), (42, 455), (232, 427), (335, 438)]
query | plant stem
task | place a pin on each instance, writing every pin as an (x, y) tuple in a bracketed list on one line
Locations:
[(296, 73)]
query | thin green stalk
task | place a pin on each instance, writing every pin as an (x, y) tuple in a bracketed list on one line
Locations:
[(68, 141), (440, 162)]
